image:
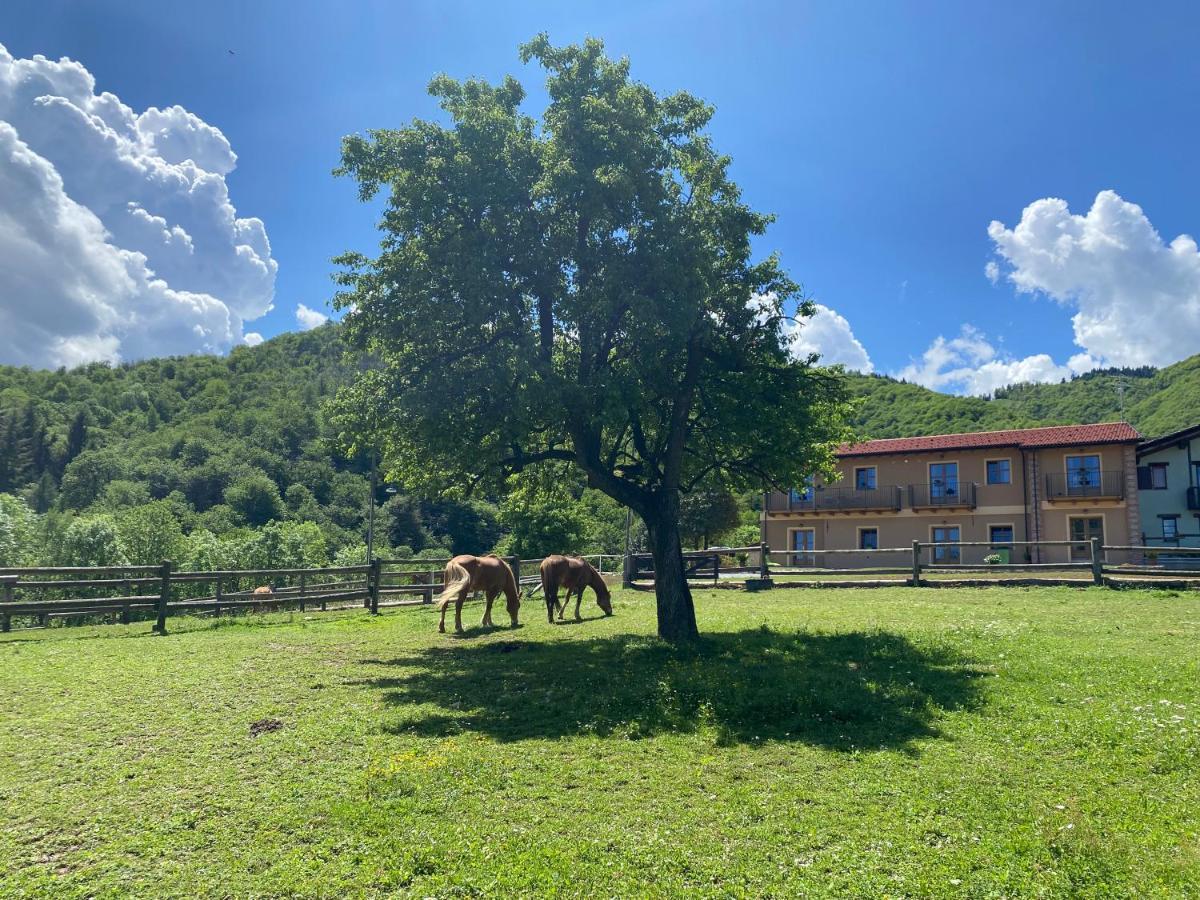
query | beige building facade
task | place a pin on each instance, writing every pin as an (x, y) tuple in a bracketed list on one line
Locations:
[(1039, 484)]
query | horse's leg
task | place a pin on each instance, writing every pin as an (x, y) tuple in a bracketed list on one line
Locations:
[(578, 600), (487, 610), (551, 591), (458, 604), (562, 607)]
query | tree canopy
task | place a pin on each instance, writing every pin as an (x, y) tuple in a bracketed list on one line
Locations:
[(578, 288)]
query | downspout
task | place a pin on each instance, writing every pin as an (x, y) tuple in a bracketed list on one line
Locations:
[(1025, 496)]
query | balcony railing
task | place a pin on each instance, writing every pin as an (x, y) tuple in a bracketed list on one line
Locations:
[(1079, 485), (1193, 498), (832, 499), (942, 494)]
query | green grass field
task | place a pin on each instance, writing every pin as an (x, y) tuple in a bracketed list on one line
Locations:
[(891, 742)]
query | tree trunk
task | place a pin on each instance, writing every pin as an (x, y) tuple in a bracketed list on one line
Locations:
[(676, 613)]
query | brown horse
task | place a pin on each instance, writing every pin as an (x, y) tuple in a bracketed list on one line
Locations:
[(489, 574), (574, 574)]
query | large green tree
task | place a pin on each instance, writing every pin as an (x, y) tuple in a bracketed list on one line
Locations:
[(579, 288)]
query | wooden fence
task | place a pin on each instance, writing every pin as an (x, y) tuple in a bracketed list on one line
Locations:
[(42, 593), (926, 563), (37, 595)]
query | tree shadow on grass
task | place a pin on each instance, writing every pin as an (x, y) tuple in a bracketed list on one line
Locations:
[(856, 691)]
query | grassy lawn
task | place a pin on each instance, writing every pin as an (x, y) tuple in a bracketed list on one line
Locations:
[(997, 742)]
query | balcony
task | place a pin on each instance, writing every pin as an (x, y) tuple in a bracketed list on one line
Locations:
[(837, 499), (1085, 485), (1193, 498), (944, 495)]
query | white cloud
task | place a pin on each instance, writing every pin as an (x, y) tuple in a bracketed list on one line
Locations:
[(970, 364), (309, 319), (117, 236), (829, 334), (1137, 299), (252, 339), (992, 271)]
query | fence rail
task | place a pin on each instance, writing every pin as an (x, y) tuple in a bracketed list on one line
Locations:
[(33, 593)]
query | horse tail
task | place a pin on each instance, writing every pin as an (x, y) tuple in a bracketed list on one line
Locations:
[(457, 578)]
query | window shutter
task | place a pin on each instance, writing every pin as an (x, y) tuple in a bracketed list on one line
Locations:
[(1143, 475)]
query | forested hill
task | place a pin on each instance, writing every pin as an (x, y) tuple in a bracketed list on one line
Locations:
[(1156, 401), (226, 444)]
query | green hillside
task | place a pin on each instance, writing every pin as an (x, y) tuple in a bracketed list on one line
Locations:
[(1156, 401), (196, 455)]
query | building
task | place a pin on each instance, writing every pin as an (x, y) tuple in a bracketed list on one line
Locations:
[(1072, 482), (1169, 489)]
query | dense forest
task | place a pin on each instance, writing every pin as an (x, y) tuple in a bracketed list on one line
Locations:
[(1155, 401), (227, 461)]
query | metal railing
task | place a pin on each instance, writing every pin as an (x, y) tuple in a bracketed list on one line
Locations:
[(1090, 483), (942, 494), (831, 499)]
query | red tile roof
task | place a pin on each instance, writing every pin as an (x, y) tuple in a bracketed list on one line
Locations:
[(1052, 436)]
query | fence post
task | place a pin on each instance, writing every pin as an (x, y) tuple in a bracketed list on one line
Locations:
[(427, 594), (6, 592), (373, 575), (764, 560), (302, 585), (916, 576), (164, 594), (627, 571), (1097, 562), (716, 567)]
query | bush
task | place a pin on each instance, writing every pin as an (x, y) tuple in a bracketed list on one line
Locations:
[(255, 498), (92, 541)]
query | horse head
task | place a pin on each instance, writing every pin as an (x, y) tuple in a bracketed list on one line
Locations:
[(603, 594)]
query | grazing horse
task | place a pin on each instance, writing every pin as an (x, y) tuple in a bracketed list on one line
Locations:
[(261, 596), (467, 573), (574, 574)]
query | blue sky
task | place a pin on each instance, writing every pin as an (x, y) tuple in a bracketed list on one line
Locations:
[(885, 136)]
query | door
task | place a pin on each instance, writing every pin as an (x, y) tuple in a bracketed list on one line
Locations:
[(1083, 529), (949, 534), (1083, 476), (943, 482), (803, 539)]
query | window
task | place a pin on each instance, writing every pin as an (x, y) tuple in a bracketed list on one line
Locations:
[(999, 471), (1170, 528), (1083, 471), (1158, 476), (945, 534), (868, 539), (803, 539), (943, 480), (802, 494), (1000, 534), (1083, 529), (864, 478)]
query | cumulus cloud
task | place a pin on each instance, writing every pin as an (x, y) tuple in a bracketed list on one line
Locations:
[(252, 339), (971, 364), (118, 239), (1136, 298), (309, 319), (829, 334)]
